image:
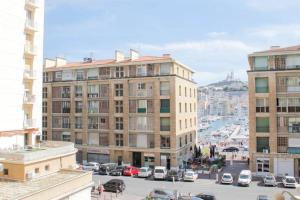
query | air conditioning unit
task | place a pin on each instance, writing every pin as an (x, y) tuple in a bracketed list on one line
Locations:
[(30, 175)]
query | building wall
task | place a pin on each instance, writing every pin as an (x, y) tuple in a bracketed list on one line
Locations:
[(13, 60)]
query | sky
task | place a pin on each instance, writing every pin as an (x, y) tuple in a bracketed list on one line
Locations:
[(213, 37)]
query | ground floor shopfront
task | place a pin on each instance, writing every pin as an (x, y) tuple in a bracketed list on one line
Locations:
[(278, 164), (135, 157)]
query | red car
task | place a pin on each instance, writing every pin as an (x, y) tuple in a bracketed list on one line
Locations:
[(130, 171)]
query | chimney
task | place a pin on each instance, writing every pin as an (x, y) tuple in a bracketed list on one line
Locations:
[(134, 54), (274, 47), (119, 56), (167, 55), (60, 62)]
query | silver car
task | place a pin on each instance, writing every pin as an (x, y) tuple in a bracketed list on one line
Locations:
[(270, 180), (164, 194)]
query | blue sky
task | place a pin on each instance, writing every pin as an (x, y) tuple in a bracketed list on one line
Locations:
[(213, 37)]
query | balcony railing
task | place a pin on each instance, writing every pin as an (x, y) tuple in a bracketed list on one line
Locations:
[(30, 24), (261, 89), (262, 129), (30, 49), (262, 109), (78, 126), (282, 149), (78, 141), (32, 3), (29, 99), (29, 74), (294, 128), (29, 123)]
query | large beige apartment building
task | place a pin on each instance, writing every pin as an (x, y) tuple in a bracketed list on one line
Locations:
[(138, 109), (274, 112)]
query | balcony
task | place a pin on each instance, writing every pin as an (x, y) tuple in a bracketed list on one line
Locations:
[(29, 49), (29, 123), (29, 74), (31, 4), (29, 99), (30, 25)]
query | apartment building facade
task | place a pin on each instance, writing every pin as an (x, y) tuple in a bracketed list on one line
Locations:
[(274, 106), (139, 110), (21, 72)]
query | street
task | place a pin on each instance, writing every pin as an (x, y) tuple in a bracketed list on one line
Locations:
[(138, 188)]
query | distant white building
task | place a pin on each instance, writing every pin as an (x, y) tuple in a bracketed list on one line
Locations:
[(21, 53)]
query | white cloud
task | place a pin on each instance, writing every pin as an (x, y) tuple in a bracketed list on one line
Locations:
[(273, 5), (212, 60), (216, 34)]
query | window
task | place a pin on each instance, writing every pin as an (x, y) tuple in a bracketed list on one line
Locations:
[(282, 144), (65, 122), (164, 88), (262, 144), (93, 91), (179, 90), (44, 135), (190, 92), (119, 90), (185, 139), (45, 92), (119, 123), (180, 107), (78, 122), (262, 124), (93, 106), (165, 142), (103, 139), (119, 106), (261, 85), (180, 125), (92, 74), (281, 104), (262, 105), (44, 106), (104, 90), (57, 76), (93, 122), (119, 72), (5, 172), (45, 77), (65, 92), (190, 107), (191, 123), (93, 139), (141, 70), (79, 75), (142, 106), (66, 106), (165, 124), (37, 170), (293, 61), (185, 107), (119, 140), (44, 122), (165, 68), (78, 138), (191, 137), (47, 167), (261, 63), (294, 124), (78, 106), (165, 105), (78, 91), (66, 137), (185, 122), (141, 86), (185, 92), (180, 142), (293, 104)]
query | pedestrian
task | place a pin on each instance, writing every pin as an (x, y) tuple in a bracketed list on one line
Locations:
[(100, 189)]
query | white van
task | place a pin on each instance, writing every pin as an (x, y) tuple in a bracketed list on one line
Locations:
[(245, 178), (160, 172)]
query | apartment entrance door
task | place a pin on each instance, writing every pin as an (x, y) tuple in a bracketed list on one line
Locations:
[(137, 159)]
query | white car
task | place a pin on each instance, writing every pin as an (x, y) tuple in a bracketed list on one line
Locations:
[(245, 178), (227, 178), (190, 176), (145, 172), (160, 172), (91, 166), (270, 180), (289, 181)]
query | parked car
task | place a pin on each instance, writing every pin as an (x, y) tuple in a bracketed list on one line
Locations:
[(289, 181), (227, 178), (164, 194), (263, 197), (160, 172), (206, 196), (105, 169), (270, 180), (231, 149), (90, 166), (190, 176), (145, 172), (118, 171), (130, 171), (175, 174), (114, 185), (245, 178), (189, 198)]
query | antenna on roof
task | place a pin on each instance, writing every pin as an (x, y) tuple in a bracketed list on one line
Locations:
[(92, 55)]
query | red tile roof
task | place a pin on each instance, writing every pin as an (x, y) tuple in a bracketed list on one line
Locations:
[(292, 48)]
